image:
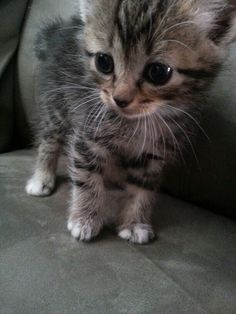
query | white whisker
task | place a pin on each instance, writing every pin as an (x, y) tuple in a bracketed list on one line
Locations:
[(168, 11), (175, 142), (68, 27), (163, 138), (103, 116), (90, 116), (135, 130), (176, 25), (193, 119), (84, 103), (152, 134), (177, 42), (145, 134), (189, 141)]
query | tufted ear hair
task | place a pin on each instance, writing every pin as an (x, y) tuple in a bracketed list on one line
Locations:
[(85, 8), (217, 18), (223, 31)]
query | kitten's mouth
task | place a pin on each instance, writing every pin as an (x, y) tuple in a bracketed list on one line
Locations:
[(129, 113), (133, 111)]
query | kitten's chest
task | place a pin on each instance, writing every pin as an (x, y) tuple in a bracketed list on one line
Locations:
[(123, 164), (130, 139), (113, 172)]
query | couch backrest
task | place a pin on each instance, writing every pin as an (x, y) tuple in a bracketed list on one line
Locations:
[(11, 16), (214, 185)]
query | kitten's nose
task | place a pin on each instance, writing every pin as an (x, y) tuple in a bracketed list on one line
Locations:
[(122, 103)]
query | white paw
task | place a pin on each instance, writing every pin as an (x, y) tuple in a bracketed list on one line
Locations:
[(40, 185), (125, 234), (83, 231), (138, 233)]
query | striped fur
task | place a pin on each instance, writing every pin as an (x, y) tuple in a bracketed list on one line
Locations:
[(132, 145)]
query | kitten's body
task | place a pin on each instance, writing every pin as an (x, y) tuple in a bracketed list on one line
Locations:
[(131, 148)]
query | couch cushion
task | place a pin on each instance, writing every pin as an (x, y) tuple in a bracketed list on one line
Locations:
[(189, 269)]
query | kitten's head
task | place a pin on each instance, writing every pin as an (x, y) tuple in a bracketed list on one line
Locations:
[(144, 54)]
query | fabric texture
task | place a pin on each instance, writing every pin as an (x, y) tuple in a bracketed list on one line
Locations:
[(212, 183), (11, 17), (189, 269)]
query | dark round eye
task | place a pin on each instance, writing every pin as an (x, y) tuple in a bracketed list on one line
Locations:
[(104, 63), (157, 73)]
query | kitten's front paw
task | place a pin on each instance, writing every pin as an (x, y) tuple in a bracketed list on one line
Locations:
[(40, 185), (137, 233), (83, 230)]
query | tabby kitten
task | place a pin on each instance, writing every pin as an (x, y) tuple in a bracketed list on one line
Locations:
[(122, 87)]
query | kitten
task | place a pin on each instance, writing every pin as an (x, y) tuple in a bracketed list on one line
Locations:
[(122, 87)]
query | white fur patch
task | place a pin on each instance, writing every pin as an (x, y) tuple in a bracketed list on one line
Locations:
[(84, 7), (125, 234), (139, 233), (40, 185), (70, 225), (79, 231)]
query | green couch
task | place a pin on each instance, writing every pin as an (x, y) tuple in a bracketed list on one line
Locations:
[(191, 268)]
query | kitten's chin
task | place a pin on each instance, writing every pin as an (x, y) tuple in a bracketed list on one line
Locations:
[(130, 114), (125, 113)]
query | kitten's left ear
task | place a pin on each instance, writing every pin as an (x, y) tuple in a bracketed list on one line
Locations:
[(223, 28)]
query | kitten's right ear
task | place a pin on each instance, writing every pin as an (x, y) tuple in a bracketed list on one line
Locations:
[(217, 18), (85, 7), (224, 27)]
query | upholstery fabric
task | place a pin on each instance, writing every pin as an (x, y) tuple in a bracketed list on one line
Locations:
[(40, 11), (213, 183), (11, 17), (189, 269)]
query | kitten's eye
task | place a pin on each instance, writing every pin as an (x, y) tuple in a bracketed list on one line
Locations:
[(158, 73), (104, 63)]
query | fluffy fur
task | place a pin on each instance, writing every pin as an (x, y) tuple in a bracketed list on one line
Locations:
[(129, 144)]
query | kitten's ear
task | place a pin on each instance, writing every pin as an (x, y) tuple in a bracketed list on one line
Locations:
[(223, 31), (217, 19), (85, 8)]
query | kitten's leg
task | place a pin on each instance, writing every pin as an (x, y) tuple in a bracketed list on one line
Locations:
[(135, 218), (88, 194), (43, 180)]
